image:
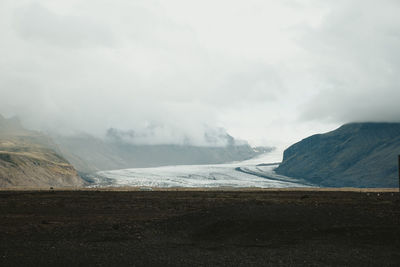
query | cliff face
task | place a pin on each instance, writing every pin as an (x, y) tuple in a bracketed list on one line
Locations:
[(31, 159), (355, 155)]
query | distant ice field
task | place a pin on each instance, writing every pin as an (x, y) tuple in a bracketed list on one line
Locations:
[(256, 172)]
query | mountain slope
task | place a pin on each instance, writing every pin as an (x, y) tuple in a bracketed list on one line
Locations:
[(89, 154), (31, 159), (355, 155)]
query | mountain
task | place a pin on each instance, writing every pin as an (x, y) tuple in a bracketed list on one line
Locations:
[(89, 154), (31, 159), (354, 155)]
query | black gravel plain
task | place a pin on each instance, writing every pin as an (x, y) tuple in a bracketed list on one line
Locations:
[(199, 228)]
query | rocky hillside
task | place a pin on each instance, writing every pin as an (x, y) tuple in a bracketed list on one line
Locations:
[(355, 155), (31, 159)]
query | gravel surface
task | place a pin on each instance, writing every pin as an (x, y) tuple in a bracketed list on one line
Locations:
[(199, 228)]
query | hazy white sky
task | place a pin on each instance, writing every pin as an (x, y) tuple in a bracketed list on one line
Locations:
[(270, 72)]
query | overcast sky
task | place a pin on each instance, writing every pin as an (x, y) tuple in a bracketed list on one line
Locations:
[(270, 72)]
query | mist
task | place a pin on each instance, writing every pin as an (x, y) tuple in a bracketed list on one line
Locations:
[(270, 72)]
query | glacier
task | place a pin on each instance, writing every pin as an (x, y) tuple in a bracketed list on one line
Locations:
[(257, 172)]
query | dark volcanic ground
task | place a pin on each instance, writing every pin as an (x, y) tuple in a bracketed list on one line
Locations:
[(200, 228)]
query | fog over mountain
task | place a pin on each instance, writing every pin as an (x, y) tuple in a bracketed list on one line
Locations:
[(171, 72)]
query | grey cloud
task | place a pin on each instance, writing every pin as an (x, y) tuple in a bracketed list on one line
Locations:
[(35, 22), (357, 62), (262, 70)]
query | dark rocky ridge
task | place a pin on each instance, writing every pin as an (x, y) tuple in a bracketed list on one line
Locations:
[(354, 155)]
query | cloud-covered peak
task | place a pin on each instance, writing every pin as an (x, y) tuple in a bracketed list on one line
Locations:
[(162, 135)]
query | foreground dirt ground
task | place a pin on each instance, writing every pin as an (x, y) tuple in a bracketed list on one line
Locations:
[(199, 228)]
